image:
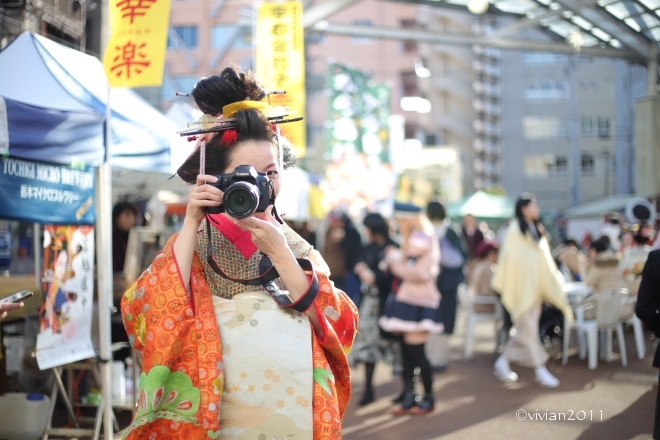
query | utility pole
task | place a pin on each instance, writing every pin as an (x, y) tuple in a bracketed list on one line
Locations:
[(576, 40)]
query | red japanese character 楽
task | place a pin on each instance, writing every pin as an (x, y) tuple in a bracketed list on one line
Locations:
[(129, 58)]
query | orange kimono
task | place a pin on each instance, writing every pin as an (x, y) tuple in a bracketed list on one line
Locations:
[(177, 338)]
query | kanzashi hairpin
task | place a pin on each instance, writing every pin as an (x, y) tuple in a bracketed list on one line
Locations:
[(182, 94), (232, 125)]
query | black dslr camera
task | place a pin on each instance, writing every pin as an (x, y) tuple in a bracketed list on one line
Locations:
[(246, 191)]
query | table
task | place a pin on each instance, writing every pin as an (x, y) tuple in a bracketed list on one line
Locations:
[(576, 291)]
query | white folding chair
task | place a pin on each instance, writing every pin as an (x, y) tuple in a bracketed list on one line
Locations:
[(608, 310), (468, 300), (636, 325)]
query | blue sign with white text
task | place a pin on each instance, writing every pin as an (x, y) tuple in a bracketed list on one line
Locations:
[(46, 193)]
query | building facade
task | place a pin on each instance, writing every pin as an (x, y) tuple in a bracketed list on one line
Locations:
[(464, 89), (60, 20), (536, 130)]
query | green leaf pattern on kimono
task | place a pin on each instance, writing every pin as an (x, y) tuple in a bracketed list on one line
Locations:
[(321, 377), (166, 394)]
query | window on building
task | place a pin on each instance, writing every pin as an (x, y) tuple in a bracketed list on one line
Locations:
[(587, 164), (362, 40), (603, 127), (410, 131), (545, 165), (409, 46), (535, 57), (546, 89), (587, 127), (544, 127), (61, 36), (432, 139), (238, 37), (559, 165), (534, 166), (409, 83), (185, 37)]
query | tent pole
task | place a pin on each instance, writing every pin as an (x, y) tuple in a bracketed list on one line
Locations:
[(38, 249), (104, 261)]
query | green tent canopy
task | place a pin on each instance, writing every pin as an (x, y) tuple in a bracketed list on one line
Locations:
[(483, 206)]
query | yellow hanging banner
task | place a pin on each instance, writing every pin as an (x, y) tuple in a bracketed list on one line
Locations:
[(280, 63), (135, 54)]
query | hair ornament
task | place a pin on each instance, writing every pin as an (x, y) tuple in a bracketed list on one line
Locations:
[(230, 110), (229, 137), (202, 156), (209, 124)]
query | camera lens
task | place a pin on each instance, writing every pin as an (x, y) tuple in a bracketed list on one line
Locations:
[(241, 199)]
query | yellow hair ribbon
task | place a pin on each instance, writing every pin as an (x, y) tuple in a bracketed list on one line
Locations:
[(230, 110)]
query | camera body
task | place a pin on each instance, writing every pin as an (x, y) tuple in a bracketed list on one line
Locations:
[(246, 191)]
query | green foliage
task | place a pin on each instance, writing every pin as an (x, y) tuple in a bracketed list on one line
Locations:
[(495, 190)]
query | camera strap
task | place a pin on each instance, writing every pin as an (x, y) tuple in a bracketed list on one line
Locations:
[(267, 277)]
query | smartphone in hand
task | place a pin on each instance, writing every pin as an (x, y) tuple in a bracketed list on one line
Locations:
[(17, 297)]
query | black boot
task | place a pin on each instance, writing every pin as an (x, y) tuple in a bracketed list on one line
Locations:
[(408, 402), (367, 397), (424, 407)]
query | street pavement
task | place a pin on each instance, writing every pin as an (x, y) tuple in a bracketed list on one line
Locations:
[(611, 402)]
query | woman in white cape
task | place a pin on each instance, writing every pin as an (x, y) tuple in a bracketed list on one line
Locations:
[(526, 277)]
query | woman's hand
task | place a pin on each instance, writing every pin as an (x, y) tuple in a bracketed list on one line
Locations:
[(201, 196), (365, 274), (267, 234), (392, 254), (8, 307)]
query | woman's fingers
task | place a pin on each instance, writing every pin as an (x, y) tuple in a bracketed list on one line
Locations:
[(250, 223), (268, 215), (205, 178), (206, 195)]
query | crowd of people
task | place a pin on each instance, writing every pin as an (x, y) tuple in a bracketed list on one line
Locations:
[(516, 265)]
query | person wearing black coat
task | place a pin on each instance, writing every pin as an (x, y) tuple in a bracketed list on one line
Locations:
[(648, 310)]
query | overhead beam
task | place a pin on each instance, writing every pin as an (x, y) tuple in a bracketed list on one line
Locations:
[(324, 10), (425, 36), (523, 24), (613, 26), (635, 15)]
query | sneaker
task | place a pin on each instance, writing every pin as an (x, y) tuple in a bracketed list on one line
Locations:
[(503, 372), (545, 378), (439, 368)]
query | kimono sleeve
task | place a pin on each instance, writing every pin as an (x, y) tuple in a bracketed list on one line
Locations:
[(138, 302), (337, 314)]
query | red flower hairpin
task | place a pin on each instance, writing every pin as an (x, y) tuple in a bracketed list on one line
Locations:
[(229, 137)]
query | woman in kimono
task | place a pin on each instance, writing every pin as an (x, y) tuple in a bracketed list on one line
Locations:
[(226, 354), (526, 276)]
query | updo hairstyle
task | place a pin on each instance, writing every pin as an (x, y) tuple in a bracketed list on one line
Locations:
[(211, 94)]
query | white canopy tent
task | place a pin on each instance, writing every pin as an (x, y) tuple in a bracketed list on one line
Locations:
[(51, 97)]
